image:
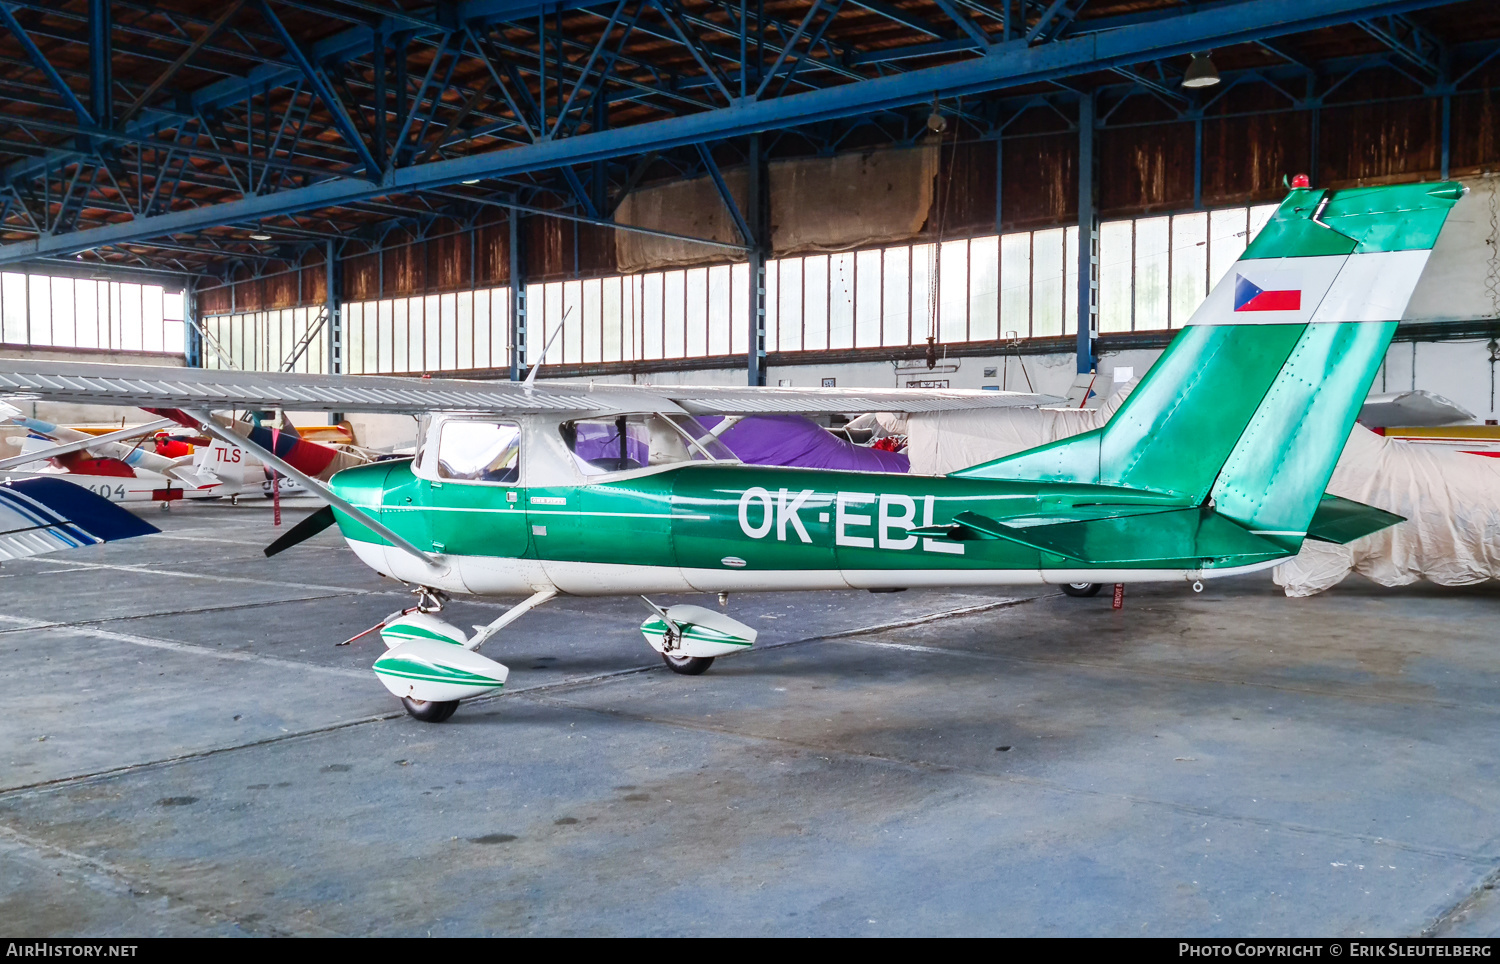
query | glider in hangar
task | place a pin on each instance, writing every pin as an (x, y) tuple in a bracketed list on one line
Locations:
[(1215, 465)]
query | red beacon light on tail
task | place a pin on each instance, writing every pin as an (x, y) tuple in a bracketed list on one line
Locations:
[(1301, 180)]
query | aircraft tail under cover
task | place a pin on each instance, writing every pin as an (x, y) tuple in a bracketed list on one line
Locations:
[(1251, 404)]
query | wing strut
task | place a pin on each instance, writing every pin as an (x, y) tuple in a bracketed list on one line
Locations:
[(482, 633), (313, 485)]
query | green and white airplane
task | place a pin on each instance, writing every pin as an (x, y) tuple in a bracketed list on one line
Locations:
[(1216, 465)]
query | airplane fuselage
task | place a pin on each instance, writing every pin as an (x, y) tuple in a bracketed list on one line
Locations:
[(739, 528)]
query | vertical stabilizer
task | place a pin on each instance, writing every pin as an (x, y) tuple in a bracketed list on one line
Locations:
[(1275, 476), (1252, 402)]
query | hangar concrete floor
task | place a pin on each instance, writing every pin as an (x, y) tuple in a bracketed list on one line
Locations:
[(186, 752)]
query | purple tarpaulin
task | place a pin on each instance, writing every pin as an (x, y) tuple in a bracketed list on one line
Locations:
[(601, 440), (798, 440)]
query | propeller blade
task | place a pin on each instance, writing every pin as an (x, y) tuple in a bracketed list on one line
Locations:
[(303, 530)]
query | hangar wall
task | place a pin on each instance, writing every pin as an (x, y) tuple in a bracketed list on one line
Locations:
[(1375, 127), (1461, 284)]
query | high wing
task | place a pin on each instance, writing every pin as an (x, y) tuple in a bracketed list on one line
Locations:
[(726, 400), (196, 388)]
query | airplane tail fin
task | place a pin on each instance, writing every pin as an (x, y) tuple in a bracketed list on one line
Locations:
[(1251, 404)]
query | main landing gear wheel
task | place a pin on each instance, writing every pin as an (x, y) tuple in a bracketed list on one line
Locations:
[(688, 665), (429, 711), (1082, 589)]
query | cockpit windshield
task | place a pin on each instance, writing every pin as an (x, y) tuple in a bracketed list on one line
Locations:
[(624, 443)]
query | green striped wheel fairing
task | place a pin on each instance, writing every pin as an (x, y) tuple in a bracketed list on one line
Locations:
[(657, 627), (406, 667), (406, 632)]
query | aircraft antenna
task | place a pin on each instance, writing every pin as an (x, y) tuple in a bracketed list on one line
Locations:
[(531, 375)]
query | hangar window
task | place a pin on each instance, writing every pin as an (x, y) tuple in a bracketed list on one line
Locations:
[(625, 443), (1153, 273), (470, 451), (38, 309)]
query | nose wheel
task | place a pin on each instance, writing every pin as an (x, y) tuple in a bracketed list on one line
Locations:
[(1082, 589), (687, 665)]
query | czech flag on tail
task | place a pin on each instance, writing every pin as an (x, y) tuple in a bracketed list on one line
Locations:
[(1248, 296)]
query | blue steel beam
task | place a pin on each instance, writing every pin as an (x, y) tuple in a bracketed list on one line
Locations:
[(265, 77), (905, 18), (101, 74), (588, 66), (182, 58), (1407, 39), (345, 45), (319, 85), (806, 57), (40, 61), (348, 45), (1053, 20), (725, 194), (968, 26), (584, 219), (694, 44), (807, 19), (1008, 64)]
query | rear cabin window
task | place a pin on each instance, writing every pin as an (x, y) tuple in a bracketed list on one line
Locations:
[(624, 443), (479, 452)]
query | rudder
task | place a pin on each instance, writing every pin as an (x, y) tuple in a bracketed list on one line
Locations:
[(1251, 403)]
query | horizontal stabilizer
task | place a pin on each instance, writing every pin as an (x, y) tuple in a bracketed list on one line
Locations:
[(44, 515), (1133, 535), (1341, 521), (969, 526)]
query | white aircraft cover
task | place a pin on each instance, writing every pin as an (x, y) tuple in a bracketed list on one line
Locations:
[(1451, 501), (196, 388), (943, 442)]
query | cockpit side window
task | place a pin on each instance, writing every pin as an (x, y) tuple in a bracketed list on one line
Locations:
[(475, 451), (624, 443)]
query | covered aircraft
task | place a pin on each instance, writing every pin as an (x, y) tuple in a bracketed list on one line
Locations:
[(150, 463), (1215, 465)]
